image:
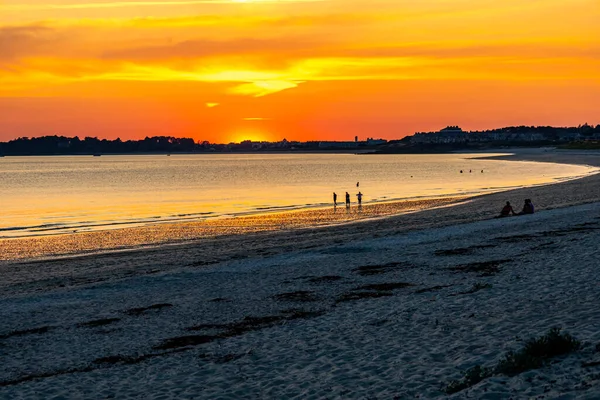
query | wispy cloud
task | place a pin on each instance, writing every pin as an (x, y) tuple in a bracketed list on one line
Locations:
[(263, 88), (126, 4)]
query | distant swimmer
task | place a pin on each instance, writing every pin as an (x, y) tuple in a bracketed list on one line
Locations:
[(347, 199), (359, 196), (334, 198)]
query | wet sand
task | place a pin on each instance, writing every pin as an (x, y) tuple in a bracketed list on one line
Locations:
[(176, 233)]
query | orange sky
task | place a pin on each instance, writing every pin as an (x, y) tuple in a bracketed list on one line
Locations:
[(226, 70)]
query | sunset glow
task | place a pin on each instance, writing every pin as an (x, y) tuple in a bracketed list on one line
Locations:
[(223, 70)]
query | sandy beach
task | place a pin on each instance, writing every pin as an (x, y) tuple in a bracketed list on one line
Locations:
[(387, 307)]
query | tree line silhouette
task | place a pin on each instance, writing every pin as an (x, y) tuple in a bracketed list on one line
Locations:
[(62, 145), (56, 145)]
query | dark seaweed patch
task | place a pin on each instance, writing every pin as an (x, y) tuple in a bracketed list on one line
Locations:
[(228, 358), (227, 330), (366, 270), (324, 279), (431, 289), (185, 341), (454, 252), (485, 268), (293, 314), (142, 310), (352, 296), (301, 295), (34, 331), (347, 250), (385, 286), (515, 238), (475, 288), (98, 322), (219, 300), (45, 375)]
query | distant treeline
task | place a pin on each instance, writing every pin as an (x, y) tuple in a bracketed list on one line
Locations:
[(547, 131), (56, 145), (584, 129)]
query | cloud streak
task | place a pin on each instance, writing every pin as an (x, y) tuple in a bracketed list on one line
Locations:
[(129, 4)]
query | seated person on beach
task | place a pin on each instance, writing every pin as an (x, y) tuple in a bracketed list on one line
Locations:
[(527, 208), (506, 210)]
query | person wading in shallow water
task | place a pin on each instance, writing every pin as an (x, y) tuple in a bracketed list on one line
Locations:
[(359, 196), (334, 198), (347, 199)]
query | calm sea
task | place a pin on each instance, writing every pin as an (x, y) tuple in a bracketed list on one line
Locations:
[(50, 195)]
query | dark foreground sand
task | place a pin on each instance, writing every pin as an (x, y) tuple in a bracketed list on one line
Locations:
[(393, 308)]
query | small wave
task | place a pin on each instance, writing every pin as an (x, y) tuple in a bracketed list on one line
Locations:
[(31, 227), (278, 207), (194, 214)]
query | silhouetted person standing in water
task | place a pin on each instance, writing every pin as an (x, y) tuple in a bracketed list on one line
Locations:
[(347, 200), (359, 196), (334, 198), (357, 184)]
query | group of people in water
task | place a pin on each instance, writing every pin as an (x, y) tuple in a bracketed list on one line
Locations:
[(359, 197), (507, 210)]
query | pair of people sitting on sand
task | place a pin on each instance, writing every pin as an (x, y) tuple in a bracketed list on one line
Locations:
[(507, 210)]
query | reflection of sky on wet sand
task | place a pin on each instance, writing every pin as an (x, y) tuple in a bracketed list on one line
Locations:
[(35, 247)]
